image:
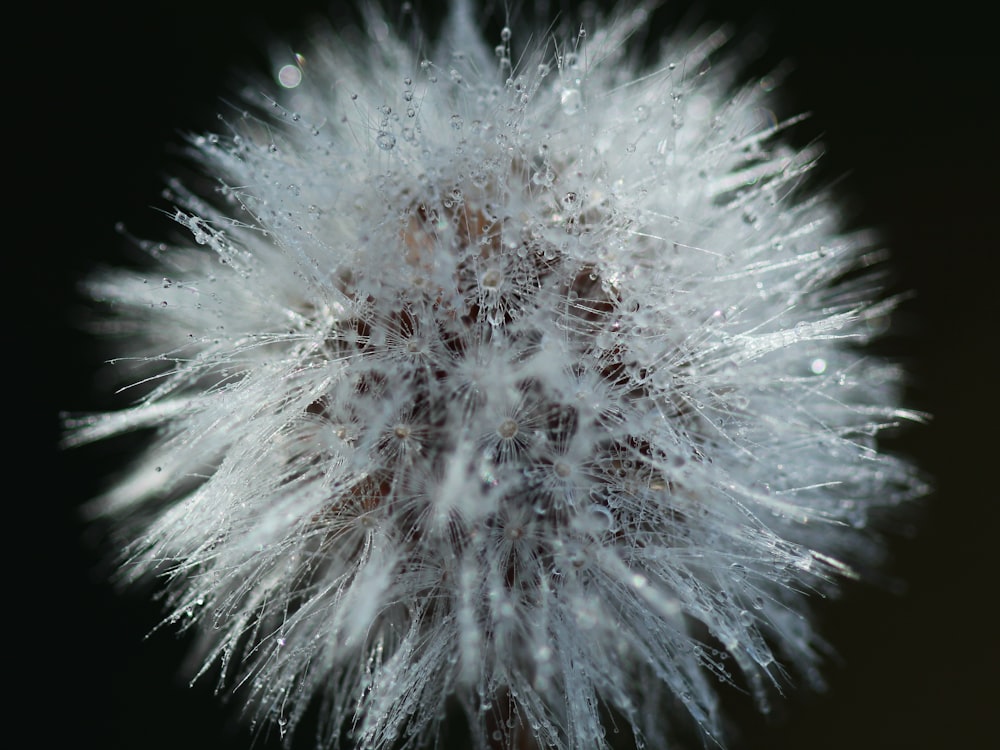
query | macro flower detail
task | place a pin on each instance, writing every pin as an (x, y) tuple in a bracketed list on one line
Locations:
[(524, 379)]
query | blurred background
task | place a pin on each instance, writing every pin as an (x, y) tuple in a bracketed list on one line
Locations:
[(905, 101)]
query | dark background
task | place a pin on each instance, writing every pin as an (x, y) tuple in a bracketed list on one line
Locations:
[(905, 100)]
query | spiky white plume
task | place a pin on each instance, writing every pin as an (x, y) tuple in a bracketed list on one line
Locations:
[(529, 379)]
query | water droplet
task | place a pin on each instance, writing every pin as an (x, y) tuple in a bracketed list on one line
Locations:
[(602, 518), (507, 429), (290, 76), (456, 122), (385, 141), (641, 113), (571, 101), (505, 34)]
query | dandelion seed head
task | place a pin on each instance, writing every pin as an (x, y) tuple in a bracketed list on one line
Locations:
[(522, 377)]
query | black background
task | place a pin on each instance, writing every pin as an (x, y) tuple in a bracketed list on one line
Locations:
[(905, 100)]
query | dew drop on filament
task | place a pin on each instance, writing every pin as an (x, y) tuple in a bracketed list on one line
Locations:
[(571, 101)]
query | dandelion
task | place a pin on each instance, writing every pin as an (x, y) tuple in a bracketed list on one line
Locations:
[(522, 380)]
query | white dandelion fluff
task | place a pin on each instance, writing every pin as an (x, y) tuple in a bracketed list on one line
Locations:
[(520, 378)]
